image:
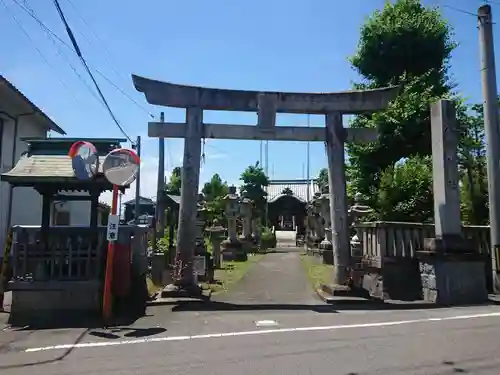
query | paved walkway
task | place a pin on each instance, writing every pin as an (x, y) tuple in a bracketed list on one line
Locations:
[(278, 279)]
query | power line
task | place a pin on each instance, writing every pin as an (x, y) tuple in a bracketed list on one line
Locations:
[(109, 63), (79, 53), (25, 32), (32, 14), (95, 36)]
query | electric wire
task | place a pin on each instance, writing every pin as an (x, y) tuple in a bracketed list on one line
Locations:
[(84, 63), (28, 10), (25, 32)]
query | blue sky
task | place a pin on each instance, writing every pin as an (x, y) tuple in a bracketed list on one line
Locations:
[(282, 45)]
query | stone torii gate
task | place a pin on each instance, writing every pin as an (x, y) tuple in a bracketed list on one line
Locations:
[(267, 104)]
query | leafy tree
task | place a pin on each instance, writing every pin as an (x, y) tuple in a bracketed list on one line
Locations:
[(404, 44), (406, 191), (322, 179), (472, 165), (214, 192), (174, 184), (253, 187)]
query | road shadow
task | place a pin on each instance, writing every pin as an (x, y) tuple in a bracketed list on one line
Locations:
[(74, 322), (48, 361), (227, 306), (329, 307), (121, 332)]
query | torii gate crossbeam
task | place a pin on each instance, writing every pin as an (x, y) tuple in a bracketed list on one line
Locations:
[(267, 104)]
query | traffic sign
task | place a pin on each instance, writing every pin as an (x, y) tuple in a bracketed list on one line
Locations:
[(113, 223)]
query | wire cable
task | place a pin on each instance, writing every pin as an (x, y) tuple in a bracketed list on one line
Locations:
[(32, 14), (25, 32), (79, 53)]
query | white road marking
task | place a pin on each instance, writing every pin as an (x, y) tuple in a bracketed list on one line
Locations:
[(266, 323), (255, 333)]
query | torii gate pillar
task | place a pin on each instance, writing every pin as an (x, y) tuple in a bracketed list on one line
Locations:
[(267, 105)]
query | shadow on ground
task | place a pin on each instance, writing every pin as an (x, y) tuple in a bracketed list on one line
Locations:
[(121, 332), (48, 361), (226, 306), (65, 322), (334, 307)]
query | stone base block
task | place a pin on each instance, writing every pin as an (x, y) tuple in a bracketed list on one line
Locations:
[(158, 266), (449, 244), (453, 281), (401, 279), (233, 251), (39, 303)]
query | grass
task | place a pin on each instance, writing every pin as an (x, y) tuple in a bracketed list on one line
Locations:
[(231, 273), (317, 272), (152, 287)]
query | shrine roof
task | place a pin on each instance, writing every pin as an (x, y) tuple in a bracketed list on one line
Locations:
[(46, 161), (142, 200), (298, 188)]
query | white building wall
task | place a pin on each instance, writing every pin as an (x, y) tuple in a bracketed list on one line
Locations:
[(26, 202)]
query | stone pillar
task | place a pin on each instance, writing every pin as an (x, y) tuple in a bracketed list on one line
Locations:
[(231, 247), (186, 232), (336, 135), (200, 223), (452, 271), (326, 244), (246, 215)]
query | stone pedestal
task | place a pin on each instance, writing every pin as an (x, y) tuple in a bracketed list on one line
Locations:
[(158, 266), (451, 273), (216, 232), (232, 248)]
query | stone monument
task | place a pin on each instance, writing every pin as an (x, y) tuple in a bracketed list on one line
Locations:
[(246, 218), (216, 232), (232, 248), (326, 244), (452, 272)]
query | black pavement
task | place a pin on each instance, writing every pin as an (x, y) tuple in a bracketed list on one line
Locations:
[(270, 323)]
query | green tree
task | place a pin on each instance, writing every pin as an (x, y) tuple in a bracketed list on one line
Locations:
[(254, 184), (404, 44), (322, 179), (174, 184), (214, 192), (406, 191), (472, 164)]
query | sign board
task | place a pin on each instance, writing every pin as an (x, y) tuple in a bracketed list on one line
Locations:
[(113, 223), (199, 265)]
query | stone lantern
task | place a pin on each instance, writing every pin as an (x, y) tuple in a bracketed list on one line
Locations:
[(356, 213), (231, 247), (326, 243), (216, 232)]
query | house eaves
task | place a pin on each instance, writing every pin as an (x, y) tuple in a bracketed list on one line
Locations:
[(17, 95)]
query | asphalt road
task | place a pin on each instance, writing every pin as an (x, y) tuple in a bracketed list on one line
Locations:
[(278, 327)]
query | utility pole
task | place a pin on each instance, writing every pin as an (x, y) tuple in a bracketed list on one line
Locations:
[(266, 171), (492, 133), (308, 163), (160, 209), (137, 182)]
